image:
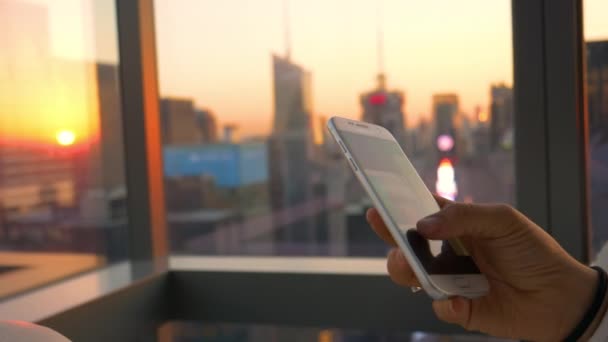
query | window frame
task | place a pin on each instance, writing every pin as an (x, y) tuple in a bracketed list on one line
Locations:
[(551, 134)]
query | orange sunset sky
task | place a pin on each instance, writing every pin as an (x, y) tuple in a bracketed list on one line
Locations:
[(218, 54)]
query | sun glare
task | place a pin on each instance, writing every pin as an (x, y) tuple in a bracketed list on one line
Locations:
[(65, 137), (483, 117)]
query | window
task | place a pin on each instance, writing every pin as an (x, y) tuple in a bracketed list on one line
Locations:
[(62, 184), (596, 37), (247, 87)]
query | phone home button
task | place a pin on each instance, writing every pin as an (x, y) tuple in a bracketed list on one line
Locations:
[(462, 283)]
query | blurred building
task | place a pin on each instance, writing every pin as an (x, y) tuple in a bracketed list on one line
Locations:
[(465, 137), (385, 108), (214, 193), (422, 138), (597, 87), (291, 140), (501, 114), (179, 122), (290, 147), (207, 125), (110, 131), (445, 112)]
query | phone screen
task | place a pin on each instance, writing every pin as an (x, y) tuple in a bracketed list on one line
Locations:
[(407, 200)]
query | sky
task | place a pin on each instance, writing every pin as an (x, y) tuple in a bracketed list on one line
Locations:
[(219, 54)]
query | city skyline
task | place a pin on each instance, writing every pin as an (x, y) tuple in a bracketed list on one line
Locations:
[(336, 42)]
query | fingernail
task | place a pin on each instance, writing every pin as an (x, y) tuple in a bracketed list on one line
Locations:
[(429, 224)]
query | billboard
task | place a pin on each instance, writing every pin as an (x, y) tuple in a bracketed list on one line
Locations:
[(230, 165)]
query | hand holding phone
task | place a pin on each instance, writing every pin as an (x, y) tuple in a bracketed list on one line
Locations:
[(534, 283), (444, 268)]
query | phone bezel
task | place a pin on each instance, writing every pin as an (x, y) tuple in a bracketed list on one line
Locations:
[(438, 286)]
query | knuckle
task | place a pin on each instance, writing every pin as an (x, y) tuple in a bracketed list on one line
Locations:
[(506, 210), (458, 210)]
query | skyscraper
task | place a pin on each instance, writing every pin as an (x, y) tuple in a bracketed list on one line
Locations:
[(501, 114), (290, 144), (381, 106), (292, 135), (597, 87), (292, 98), (385, 108)]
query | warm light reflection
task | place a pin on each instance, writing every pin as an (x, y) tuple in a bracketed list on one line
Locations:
[(483, 117), (446, 183), (42, 92), (65, 137)]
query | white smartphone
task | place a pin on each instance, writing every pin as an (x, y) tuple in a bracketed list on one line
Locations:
[(444, 268)]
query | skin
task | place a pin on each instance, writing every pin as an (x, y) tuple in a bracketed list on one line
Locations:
[(538, 292)]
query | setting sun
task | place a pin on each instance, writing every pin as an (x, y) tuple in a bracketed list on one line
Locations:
[(65, 138)]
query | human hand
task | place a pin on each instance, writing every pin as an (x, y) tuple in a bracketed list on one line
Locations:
[(537, 291)]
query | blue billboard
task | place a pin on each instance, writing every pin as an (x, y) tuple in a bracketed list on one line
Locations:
[(230, 165)]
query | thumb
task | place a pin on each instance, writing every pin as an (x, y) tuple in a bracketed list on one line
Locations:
[(462, 219), (456, 310)]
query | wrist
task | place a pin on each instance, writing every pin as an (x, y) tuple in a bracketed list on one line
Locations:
[(582, 290), (597, 322)]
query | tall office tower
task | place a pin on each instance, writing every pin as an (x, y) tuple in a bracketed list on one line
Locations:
[(385, 108), (179, 122), (207, 124), (292, 135), (292, 91), (290, 145), (501, 114), (382, 106), (597, 87), (445, 111)]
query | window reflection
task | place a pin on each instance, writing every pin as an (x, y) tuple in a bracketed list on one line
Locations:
[(61, 163)]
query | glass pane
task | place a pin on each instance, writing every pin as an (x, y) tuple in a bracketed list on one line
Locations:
[(247, 87), (62, 186), (596, 37), (202, 332)]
